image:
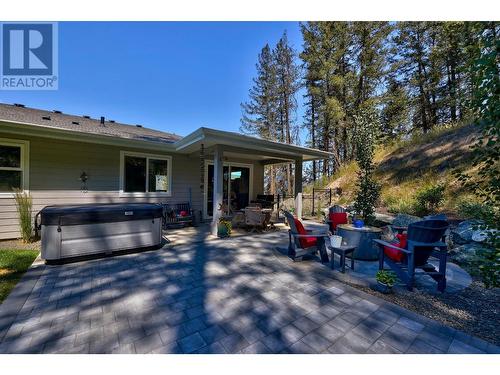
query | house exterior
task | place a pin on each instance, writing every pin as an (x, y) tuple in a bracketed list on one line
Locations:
[(67, 159)]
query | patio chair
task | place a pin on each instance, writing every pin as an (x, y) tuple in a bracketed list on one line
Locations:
[(302, 242), (336, 215), (423, 240), (255, 219)]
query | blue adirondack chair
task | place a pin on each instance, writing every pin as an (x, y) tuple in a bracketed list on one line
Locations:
[(425, 239), (300, 245)]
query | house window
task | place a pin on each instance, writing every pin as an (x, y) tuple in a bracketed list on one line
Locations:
[(144, 173), (13, 165)]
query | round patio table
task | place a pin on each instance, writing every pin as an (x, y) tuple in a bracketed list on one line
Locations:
[(362, 239)]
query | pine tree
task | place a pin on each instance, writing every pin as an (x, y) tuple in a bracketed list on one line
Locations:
[(395, 110), (327, 59), (371, 60), (271, 110), (312, 78), (259, 114), (412, 42), (288, 83)]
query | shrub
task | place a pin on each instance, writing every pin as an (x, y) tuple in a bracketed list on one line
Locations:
[(368, 191), (428, 199), (485, 104), (475, 210), (24, 205), (400, 205)]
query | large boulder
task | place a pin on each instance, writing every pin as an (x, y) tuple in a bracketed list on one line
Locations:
[(466, 253), (464, 231), (403, 220)]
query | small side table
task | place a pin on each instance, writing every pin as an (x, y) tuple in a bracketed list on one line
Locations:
[(342, 251)]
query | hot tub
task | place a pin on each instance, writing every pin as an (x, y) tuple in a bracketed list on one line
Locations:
[(79, 230)]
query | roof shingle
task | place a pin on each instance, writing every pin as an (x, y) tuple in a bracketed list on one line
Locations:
[(55, 119)]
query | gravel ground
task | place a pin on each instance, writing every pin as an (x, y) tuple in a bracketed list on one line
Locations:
[(19, 245), (474, 310)]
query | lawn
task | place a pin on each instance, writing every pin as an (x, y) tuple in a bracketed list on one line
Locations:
[(13, 264)]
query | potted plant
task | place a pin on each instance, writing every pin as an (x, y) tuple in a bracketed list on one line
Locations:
[(385, 281), (224, 228)]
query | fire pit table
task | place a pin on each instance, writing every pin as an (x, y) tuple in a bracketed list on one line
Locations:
[(362, 238)]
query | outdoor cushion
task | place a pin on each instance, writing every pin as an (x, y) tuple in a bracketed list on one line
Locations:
[(183, 213), (394, 254), (337, 218), (305, 242)]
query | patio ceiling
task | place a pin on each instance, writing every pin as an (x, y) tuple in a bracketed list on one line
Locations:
[(246, 147)]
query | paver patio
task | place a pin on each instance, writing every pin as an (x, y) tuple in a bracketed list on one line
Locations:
[(230, 296)]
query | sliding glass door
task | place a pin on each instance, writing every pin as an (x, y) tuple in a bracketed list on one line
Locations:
[(236, 188)]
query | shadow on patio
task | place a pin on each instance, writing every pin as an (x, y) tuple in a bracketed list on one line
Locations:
[(211, 296)]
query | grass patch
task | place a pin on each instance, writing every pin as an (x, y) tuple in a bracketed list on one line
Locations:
[(13, 264)]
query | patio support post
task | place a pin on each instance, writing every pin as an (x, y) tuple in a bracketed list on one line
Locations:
[(218, 186), (298, 188)]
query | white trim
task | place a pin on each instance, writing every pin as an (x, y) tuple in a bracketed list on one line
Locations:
[(225, 164), (147, 156), (25, 163)]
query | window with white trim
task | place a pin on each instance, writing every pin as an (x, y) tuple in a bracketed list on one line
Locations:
[(13, 165), (145, 173)]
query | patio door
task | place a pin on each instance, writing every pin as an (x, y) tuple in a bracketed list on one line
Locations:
[(236, 187)]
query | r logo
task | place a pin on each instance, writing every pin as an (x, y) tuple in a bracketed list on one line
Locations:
[(27, 49), (29, 56)]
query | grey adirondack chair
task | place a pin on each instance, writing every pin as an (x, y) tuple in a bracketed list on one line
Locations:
[(296, 250), (425, 239)]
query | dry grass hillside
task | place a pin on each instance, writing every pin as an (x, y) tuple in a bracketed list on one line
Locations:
[(405, 167)]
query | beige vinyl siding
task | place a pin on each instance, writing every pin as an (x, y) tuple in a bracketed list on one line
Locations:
[(55, 167)]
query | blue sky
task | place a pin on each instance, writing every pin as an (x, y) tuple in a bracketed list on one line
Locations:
[(173, 76)]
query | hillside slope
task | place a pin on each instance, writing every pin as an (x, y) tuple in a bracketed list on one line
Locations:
[(405, 167)]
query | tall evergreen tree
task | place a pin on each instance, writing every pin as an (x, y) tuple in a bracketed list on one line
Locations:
[(288, 83), (271, 110), (395, 110), (259, 113), (371, 61), (312, 78)]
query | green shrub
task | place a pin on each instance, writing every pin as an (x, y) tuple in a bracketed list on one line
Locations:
[(400, 205), (368, 190), (475, 210), (429, 199), (24, 205)]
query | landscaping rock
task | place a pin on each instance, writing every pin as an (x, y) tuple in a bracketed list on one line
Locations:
[(466, 253), (482, 235), (464, 231), (403, 220)]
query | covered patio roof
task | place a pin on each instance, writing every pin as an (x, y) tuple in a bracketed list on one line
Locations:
[(246, 147)]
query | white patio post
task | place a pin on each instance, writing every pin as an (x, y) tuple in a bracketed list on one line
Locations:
[(298, 188), (218, 187)]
